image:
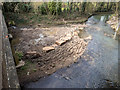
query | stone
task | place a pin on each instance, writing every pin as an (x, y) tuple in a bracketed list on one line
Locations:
[(88, 38), (75, 34), (60, 42), (39, 25), (67, 78), (32, 54), (28, 73), (54, 45), (81, 28), (10, 36), (69, 35), (48, 48), (64, 39), (23, 29), (67, 38)]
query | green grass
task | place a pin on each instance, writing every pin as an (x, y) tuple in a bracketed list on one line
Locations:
[(26, 66), (19, 54)]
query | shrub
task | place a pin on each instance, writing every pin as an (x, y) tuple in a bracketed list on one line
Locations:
[(25, 7), (42, 9), (52, 7)]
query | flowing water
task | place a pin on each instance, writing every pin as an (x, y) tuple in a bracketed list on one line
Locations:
[(96, 68)]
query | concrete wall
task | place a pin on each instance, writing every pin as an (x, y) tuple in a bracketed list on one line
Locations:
[(0, 48), (8, 74)]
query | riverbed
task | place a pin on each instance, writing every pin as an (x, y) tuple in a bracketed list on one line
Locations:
[(96, 68)]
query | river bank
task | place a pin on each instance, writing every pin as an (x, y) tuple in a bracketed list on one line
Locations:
[(39, 63), (114, 22), (96, 68), (31, 40)]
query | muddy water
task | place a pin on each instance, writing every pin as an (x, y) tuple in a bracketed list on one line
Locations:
[(96, 68)]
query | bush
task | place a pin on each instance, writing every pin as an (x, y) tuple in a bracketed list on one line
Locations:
[(9, 6), (25, 7), (59, 7), (42, 9), (52, 8)]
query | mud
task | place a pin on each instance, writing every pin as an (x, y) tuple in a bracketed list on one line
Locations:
[(46, 63)]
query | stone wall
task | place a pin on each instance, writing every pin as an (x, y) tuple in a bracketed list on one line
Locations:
[(8, 74)]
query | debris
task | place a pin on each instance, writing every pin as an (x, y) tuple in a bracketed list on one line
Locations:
[(28, 73), (48, 48), (6, 36), (67, 78), (21, 63), (10, 36), (14, 27)]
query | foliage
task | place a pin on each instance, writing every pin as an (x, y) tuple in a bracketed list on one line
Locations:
[(17, 7), (42, 9), (19, 54), (24, 7), (52, 7), (59, 8), (9, 6)]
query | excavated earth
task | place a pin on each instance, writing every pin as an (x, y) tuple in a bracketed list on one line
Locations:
[(31, 41)]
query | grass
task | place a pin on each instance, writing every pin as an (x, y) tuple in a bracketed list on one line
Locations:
[(26, 66), (19, 54)]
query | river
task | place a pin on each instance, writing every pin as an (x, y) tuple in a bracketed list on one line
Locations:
[(96, 68)]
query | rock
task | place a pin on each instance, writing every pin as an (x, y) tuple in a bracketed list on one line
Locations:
[(30, 29), (75, 34), (88, 38), (69, 35), (28, 73), (105, 34), (60, 42), (39, 25), (10, 36), (48, 48), (64, 39), (14, 27), (54, 45), (32, 55), (67, 38), (81, 28), (21, 63), (67, 78), (23, 29), (31, 52)]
